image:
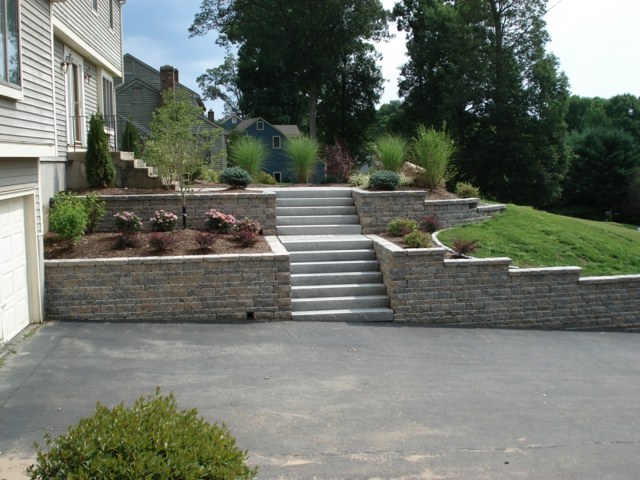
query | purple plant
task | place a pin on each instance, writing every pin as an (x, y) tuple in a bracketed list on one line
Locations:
[(205, 240), (161, 241), (431, 223), (340, 163)]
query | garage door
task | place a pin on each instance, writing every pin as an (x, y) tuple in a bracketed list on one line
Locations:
[(14, 309)]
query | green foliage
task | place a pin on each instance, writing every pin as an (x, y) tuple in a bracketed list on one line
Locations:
[(405, 181), (95, 207), (68, 216), (265, 178), (391, 151), (222, 83), (248, 153), (538, 239), (211, 176), (466, 190), (99, 165), (131, 139), (384, 180), (303, 154), (151, 439), (399, 227), (417, 239), (432, 150), (360, 180), (632, 205), (235, 177)]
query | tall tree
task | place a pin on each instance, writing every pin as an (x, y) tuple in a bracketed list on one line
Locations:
[(221, 83), (481, 67), (304, 41)]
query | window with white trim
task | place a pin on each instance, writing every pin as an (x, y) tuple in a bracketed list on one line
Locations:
[(95, 4), (276, 142), (260, 125), (108, 106), (111, 14), (9, 43)]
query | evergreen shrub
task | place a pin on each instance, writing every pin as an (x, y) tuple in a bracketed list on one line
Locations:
[(99, 165), (235, 177), (384, 180)]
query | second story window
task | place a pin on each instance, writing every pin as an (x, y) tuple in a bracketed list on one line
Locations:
[(9, 43), (277, 144), (111, 13), (260, 125), (95, 4)]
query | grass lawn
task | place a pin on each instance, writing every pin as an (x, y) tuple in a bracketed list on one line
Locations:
[(532, 238)]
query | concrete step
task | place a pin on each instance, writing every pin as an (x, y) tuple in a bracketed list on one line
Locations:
[(319, 230), (332, 255), (314, 202), (314, 243), (358, 289), (336, 267), (314, 211), (333, 278), (339, 303), (318, 220), (316, 192), (345, 315)]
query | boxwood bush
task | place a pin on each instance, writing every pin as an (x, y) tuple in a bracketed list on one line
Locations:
[(384, 180), (152, 439), (235, 177)]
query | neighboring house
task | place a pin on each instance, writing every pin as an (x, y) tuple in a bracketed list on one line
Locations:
[(230, 122), (58, 60), (139, 93), (274, 136)]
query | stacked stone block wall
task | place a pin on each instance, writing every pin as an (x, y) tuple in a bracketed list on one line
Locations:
[(191, 289), (426, 288), (259, 206), (377, 209)]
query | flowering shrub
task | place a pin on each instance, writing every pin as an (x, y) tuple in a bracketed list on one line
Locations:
[(218, 221), (163, 221), (127, 222), (161, 241)]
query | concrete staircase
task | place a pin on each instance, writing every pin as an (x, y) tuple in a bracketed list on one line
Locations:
[(334, 272)]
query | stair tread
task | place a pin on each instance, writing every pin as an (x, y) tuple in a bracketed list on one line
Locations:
[(343, 298)]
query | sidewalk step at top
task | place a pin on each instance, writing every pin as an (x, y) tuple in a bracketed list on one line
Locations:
[(337, 303), (300, 243), (318, 220), (341, 278), (319, 229), (315, 202), (332, 255), (336, 267), (346, 315), (316, 192), (354, 289), (314, 211)]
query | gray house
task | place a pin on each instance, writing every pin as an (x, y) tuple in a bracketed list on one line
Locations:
[(57, 65), (139, 93)]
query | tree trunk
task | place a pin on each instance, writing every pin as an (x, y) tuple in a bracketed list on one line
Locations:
[(313, 106)]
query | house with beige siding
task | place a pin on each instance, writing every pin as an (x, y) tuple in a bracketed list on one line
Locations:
[(58, 62)]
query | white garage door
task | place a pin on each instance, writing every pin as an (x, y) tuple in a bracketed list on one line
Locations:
[(14, 306)]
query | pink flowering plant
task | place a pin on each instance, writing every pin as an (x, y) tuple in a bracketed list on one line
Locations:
[(218, 221), (163, 221), (127, 222)]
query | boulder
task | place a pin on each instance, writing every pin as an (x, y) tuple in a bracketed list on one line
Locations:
[(412, 171)]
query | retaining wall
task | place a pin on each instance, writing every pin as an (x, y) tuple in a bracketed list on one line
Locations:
[(191, 288), (257, 205), (377, 209), (426, 288)]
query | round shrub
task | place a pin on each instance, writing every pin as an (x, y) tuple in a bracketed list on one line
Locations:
[(384, 180), (68, 216), (417, 240), (152, 439), (161, 241), (218, 221), (265, 179), (235, 177), (127, 222), (399, 227), (205, 240), (163, 221), (466, 190)]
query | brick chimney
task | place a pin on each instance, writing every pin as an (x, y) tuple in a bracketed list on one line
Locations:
[(211, 115), (168, 78)]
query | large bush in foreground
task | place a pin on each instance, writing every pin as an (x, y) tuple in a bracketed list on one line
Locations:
[(248, 153), (303, 154), (152, 439), (100, 169)]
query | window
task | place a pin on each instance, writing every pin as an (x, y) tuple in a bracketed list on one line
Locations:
[(277, 176), (9, 42), (95, 4), (260, 125), (107, 100), (137, 95), (234, 119), (276, 142), (110, 13)]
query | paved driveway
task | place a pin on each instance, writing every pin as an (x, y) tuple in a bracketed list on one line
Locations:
[(332, 400)]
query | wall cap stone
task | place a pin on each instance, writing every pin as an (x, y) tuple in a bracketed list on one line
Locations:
[(544, 271), (453, 262), (610, 279)]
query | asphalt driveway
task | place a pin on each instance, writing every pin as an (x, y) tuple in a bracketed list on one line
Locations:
[(333, 400)]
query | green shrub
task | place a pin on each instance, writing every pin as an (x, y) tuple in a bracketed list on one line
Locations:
[(404, 180), (360, 180), (211, 176), (100, 169), (131, 139), (432, 150), (384, 180), (417, 240), (303, 154), (235, 177), (248, 153), (95, 208), (399, 227), (151, 439), (265, 178), (466, 190), (68, 216), (391, 150)]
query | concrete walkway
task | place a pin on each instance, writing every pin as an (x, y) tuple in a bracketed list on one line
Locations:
[(335, 400)]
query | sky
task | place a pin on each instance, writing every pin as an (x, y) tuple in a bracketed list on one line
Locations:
[(595, 41)]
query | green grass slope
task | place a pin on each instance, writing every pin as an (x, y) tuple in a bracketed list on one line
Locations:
[(532, 238)]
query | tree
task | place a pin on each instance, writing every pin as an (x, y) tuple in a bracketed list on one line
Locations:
[(179, 145), (293, 45), (99, 165), (481, 67), (222, 83)]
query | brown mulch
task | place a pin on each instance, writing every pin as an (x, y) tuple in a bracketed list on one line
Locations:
[(108, 245)]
